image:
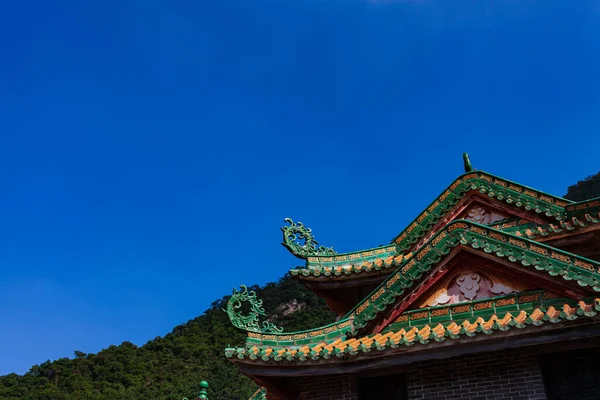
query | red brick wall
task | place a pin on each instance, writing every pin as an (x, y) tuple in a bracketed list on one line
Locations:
[(502, 375), (328, 388), (490, 376)]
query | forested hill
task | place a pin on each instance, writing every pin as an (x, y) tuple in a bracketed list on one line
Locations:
[(170, 367), (585, 189)]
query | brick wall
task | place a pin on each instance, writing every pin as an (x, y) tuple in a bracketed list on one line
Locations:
[(328, 388), (501, 375)]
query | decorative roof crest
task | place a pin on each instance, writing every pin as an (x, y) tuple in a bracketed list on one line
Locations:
[(467, 162), (295, 233), (249, 322), (203, 394)]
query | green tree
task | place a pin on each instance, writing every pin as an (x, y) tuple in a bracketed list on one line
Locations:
[(585, 189), (167, 367)]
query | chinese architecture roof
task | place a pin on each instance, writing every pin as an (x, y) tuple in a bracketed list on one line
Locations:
[(501, 189), (439, 324), (580, 215), (551, 262), (368, 261), (486, 256), (323, 263)]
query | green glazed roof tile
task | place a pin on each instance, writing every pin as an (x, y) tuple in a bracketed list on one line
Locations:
[(260, 394), (502, 189), (525, 252), (436, 332)]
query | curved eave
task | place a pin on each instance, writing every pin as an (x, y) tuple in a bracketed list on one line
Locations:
[(367, 264), (572, 225), (588, 212), (524, 252), (589, 217), (485, 183), (582, 207), (579, 271), (395, 341)]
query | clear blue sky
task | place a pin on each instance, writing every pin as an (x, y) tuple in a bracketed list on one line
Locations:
[(150, 150)]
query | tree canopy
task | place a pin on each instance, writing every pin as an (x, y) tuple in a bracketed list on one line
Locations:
[(168, 367), (585, 189)]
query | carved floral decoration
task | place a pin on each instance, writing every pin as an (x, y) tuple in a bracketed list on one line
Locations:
[(484, 216), (476, 213), (471, 284), (468, 284)]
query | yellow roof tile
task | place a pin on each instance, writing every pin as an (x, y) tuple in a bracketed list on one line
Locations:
[(438, 330)]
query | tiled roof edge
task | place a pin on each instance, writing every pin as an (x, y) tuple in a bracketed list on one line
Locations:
[(483, 238), (260, 394), (393, 340), (524, 251), (500, 188)]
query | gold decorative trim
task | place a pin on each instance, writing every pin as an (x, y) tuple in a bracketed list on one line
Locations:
[(505, 302), (362, 307), (529, 298), (483, 306), (461, 309), (539, 250), (560, 257), (517, 242)]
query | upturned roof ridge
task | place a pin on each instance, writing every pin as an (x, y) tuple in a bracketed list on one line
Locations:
[(486, 183), (570, 266), (437, 332), (502, 244)]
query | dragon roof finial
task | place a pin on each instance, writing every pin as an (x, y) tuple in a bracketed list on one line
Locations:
[(249, 322), (295, 233)]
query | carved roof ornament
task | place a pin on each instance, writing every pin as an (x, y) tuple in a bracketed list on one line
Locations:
[(472, 284), (203, 394), (469, 284), (467, 162), (484, 216), (249, 322), (301, 242)]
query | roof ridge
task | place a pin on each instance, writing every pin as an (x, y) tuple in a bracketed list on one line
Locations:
[(503, 244), (583, 270), (498, 321), (493, 186)]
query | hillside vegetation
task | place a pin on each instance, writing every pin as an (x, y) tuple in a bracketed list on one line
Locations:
[(169, 367), (585, 189)]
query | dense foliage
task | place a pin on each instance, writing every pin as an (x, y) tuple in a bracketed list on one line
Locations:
[(585, 189), (168, 367)]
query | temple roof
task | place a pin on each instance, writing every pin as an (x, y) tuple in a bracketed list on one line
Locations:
[(501, 189), (580, 215), (368, 261), (322, 262), (508, 316), (573, 270), (406, 268), (498, 244)]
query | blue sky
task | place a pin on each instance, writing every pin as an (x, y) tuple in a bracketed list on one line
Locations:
[(150, 150)]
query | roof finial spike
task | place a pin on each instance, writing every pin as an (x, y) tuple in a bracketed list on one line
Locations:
[(203, 395), (467, 161)]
